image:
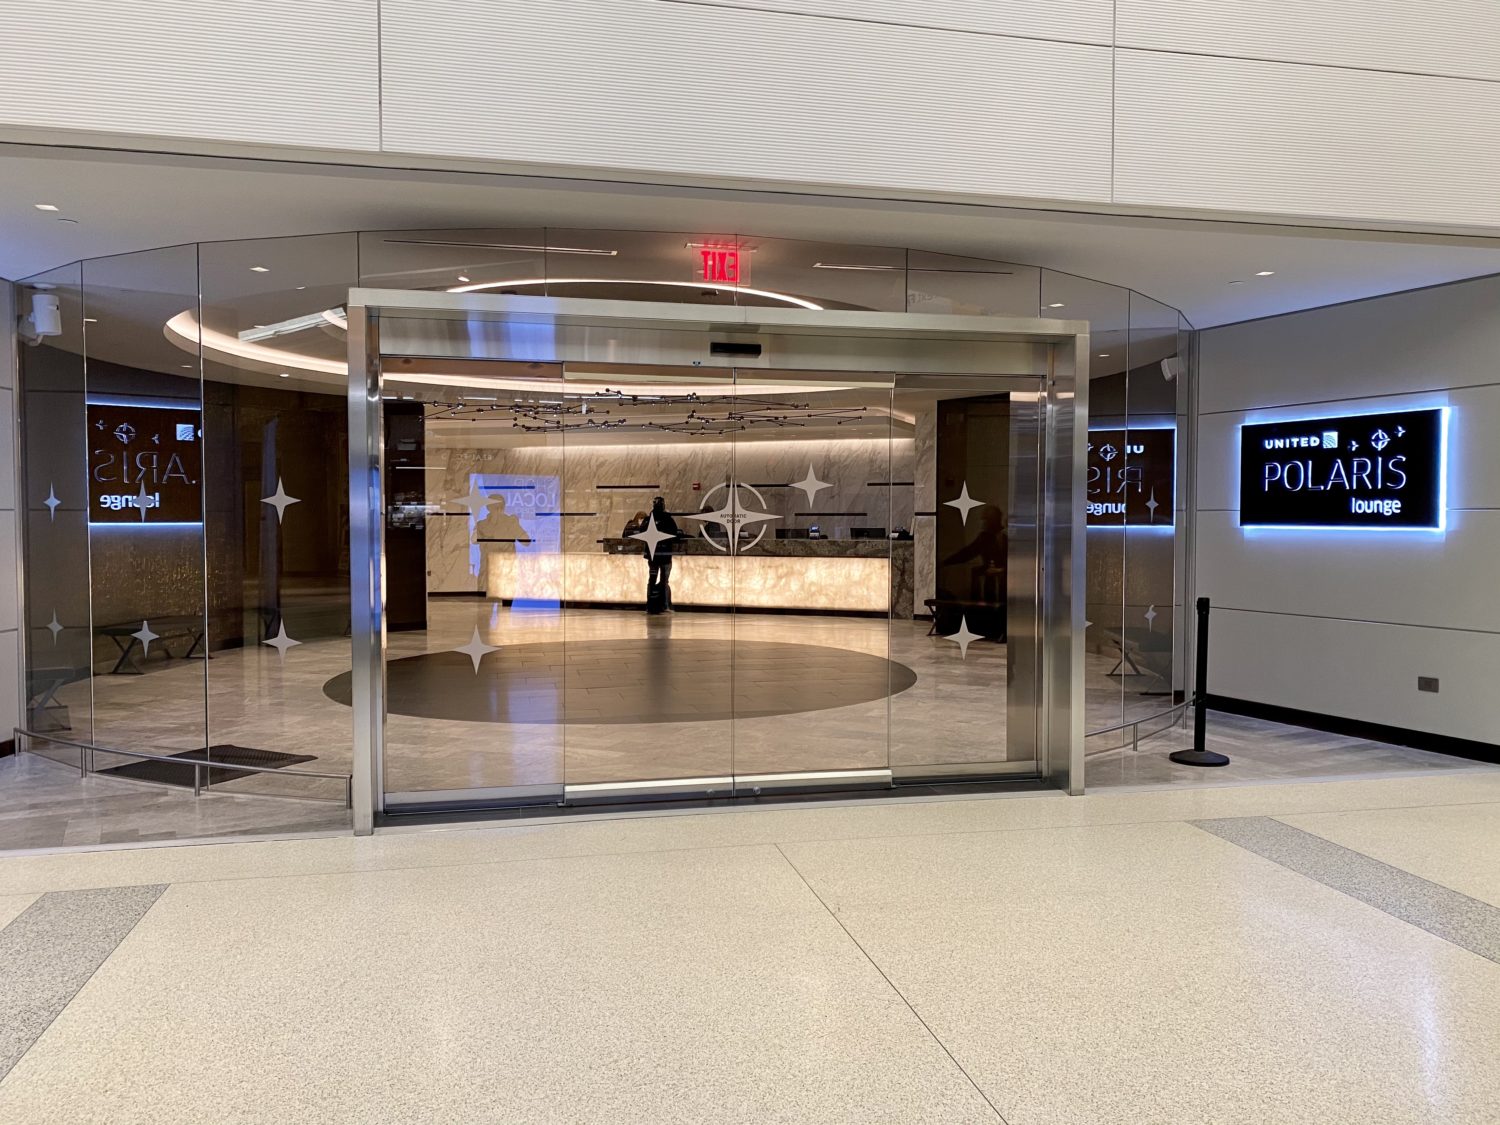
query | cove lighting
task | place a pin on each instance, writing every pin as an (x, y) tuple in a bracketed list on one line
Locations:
[(835, 266), (503, 246)]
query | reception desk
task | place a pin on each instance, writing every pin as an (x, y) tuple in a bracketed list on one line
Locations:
[(807, 575)]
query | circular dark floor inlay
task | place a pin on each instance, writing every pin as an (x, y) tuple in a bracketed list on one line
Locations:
[(643, 680)]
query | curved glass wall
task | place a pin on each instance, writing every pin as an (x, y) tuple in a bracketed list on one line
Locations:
[(185, 469)]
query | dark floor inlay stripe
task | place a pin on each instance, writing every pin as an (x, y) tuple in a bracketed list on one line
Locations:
[(1454, 917), (51, 949)]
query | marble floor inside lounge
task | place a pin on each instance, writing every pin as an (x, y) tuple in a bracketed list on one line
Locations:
[(600, 696), (1303, 954)]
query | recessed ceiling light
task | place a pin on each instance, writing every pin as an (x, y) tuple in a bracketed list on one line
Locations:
[(301, 287), (286, 374), (461, 277), (189, 365), (48, 207), (1265, 273), (1103, 355), (1057, 305), (260, 269)]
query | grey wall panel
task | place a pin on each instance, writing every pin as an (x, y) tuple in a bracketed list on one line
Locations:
[(1430, 339), (1083, 21), (1359, 670), (636, 85), (1473, 457), (273, 72), (1260, 137), (1443, 580), (1451, 37)]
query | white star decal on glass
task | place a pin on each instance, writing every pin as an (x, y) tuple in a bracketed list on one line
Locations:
[(811, 485), (476, 649), (476, 501), (651, 536), (1150, 616), (54, 626), (964, 504), (280, 500), (1152, 505), (733, 516), (145, 636), (281, 642), (143, 501), (52, 502), (963, 638)]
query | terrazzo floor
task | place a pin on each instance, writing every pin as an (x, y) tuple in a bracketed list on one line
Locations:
[(1304, 954)]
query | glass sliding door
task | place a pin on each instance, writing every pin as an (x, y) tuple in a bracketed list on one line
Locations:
[(821, 463), (654, 519), (974, 642)]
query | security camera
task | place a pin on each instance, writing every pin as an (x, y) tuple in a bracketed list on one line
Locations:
[(45, 319), (1171, 367)]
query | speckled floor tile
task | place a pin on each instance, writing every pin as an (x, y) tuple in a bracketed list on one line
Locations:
[(50, 950), (1466, 922), (12, 905), (1154, 973), (651, 988), (660, 830), (1457, 845)]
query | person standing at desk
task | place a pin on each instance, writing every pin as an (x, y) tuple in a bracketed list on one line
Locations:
[(659, 561)]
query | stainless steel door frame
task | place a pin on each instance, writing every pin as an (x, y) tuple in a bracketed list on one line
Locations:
[(407, 327)]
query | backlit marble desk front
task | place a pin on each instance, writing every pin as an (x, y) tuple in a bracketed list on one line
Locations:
[(843, 575)]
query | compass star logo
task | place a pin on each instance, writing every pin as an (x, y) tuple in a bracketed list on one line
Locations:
[(1109, 453), (1380, 439), (125, 432), (732, 517)]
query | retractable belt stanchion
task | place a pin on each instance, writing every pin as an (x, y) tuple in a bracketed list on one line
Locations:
[(1199, 755)]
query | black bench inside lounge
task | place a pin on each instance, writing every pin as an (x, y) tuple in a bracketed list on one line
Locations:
[(166, 631)]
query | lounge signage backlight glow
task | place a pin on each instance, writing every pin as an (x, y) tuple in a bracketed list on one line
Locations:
[(144, 455), (1382, 471), (1132, 475)]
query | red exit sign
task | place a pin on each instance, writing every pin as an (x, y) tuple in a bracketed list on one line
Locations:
[(721, 265)]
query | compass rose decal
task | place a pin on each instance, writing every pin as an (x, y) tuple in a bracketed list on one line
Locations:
[(734, 515)]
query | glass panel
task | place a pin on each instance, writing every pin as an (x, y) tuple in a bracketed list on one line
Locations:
[(276, 487), (475, 526), (628, 265), (946, 283), (829, 275), (650, 620), (820, 464), (477, 260), (145, 450), (1106, 308), (975, 463), (59, 662), (1150, 502)]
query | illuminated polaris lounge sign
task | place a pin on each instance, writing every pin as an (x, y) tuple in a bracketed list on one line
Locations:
[(1356, 471), (144, 455)]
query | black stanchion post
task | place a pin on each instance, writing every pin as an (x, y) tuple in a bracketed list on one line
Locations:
[(1200, 755)]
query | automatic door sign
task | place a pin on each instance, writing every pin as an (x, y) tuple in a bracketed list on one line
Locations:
[(1358, 471), (1131, 478)]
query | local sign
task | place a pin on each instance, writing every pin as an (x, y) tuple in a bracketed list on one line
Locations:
[(1352, 471)]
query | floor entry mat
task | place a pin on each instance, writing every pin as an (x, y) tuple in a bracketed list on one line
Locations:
[(227, 754)]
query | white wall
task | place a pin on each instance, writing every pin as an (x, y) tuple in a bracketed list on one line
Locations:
[(1350, 110), (1343, 623)]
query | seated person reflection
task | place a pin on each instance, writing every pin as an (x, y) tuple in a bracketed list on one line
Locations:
[(635, 525), (659, 559), (984, 604)]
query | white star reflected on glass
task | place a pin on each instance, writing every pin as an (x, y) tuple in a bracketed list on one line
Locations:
[(52, 502), (964, 503), (476, 650), (476, 501), (281, 642), (651, 536), (280, 500), (54, 626), (811, 485), (143, 501), (1150, 616), (145, 636), (963, 638)]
